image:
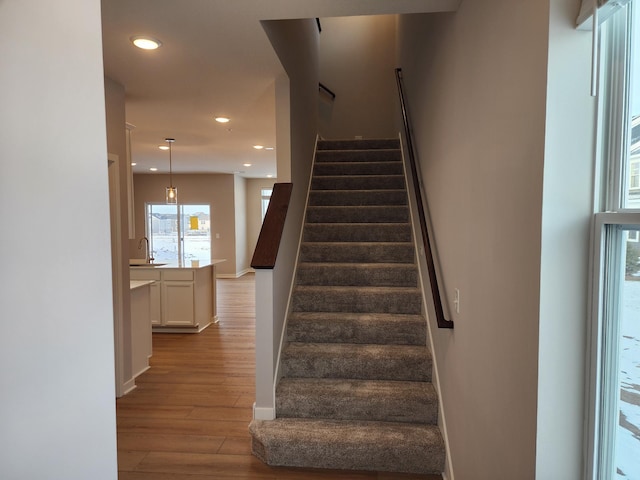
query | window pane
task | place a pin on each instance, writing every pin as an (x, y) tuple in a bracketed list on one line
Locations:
[(162, 231), (266, 197), (196, 224), (621, 414), (628, 432), (632, 167), (180, 238)]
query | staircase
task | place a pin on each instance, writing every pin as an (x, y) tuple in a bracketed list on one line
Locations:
[(356, 389)]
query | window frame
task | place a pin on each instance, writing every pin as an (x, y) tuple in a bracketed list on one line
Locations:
[(181, 227), (611, 217)]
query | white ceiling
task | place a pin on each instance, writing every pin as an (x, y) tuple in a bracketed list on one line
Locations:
[(215, 60)]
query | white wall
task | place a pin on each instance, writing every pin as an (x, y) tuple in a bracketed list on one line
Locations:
[(240, 207), (116, 145), (566, 213), (56, 342), (476, 86), (296, 43), (357, 62), (214, 189)]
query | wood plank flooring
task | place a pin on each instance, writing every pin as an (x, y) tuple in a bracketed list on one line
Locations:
[(188, 417)]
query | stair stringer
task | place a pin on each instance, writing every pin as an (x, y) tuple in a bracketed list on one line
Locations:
[(427, 307)]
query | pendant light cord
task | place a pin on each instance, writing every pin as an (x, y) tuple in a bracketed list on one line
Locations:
[(170, 142), (170, 171)]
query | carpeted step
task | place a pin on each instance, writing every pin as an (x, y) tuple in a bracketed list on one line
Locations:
[(363, 155), (376, 446), (358, 214), (357, 252), (358, 232), (358, 197), (373, 328), (358, 168), (358, 274), (368, 144), (358, 182), (356, 361), (357, 299), (377, 400)]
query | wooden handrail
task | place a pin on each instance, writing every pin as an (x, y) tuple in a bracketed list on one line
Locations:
[(433, 279), (325, 89), (266, 250)]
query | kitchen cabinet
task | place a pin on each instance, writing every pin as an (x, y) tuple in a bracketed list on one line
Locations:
[(182, 299)]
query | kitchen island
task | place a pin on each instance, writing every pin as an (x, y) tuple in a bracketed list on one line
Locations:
[(182, 296)]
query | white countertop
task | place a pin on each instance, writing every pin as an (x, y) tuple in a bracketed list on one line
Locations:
[(133, 284), (202, 264)]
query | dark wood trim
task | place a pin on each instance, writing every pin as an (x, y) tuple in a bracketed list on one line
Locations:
[(318, 24), (268, 244), (433, 279)]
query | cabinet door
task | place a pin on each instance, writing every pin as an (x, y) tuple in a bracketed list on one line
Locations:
[(155, 310), (178, 303)]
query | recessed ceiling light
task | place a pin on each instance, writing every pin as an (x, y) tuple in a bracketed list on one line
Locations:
[(133, 164), (153, 169), (246, 164), (222, 119), (258, 147), (163, 147), (146, 43), (269, 176)]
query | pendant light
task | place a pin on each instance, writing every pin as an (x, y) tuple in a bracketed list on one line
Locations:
[(172, 192)]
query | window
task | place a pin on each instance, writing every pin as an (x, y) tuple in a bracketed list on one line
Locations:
[(634, 167), (266, 197), (179, 233), (614, 428)]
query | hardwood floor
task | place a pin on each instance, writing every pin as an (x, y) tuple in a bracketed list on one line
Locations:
[(188, 418)]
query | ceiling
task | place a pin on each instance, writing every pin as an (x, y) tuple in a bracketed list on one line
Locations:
[(215, 59)]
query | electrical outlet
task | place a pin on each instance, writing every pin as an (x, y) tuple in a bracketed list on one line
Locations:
[(456, 300)]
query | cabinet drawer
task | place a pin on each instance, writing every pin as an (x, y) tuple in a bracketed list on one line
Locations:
[(178, 275), (137, 273)]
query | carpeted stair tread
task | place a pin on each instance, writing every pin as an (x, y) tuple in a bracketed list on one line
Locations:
[(358, 214), (356, 361), (358, 232), (361, 155), (340, 399), (359, 144), (357, 252), (357, 197), (376, 446), (357, 299), (360, 274), (358, 168), (366, 328), (358, 182)]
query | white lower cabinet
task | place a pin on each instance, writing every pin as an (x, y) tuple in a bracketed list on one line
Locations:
[(180, 299), (177, 297)]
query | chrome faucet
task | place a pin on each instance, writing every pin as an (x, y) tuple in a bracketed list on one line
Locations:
[(147, 258)]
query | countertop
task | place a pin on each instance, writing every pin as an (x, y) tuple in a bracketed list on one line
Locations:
[(202, 264)]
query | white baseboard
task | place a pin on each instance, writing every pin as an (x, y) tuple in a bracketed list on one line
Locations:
[(262, 413), (235, 275), (128, 386)]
